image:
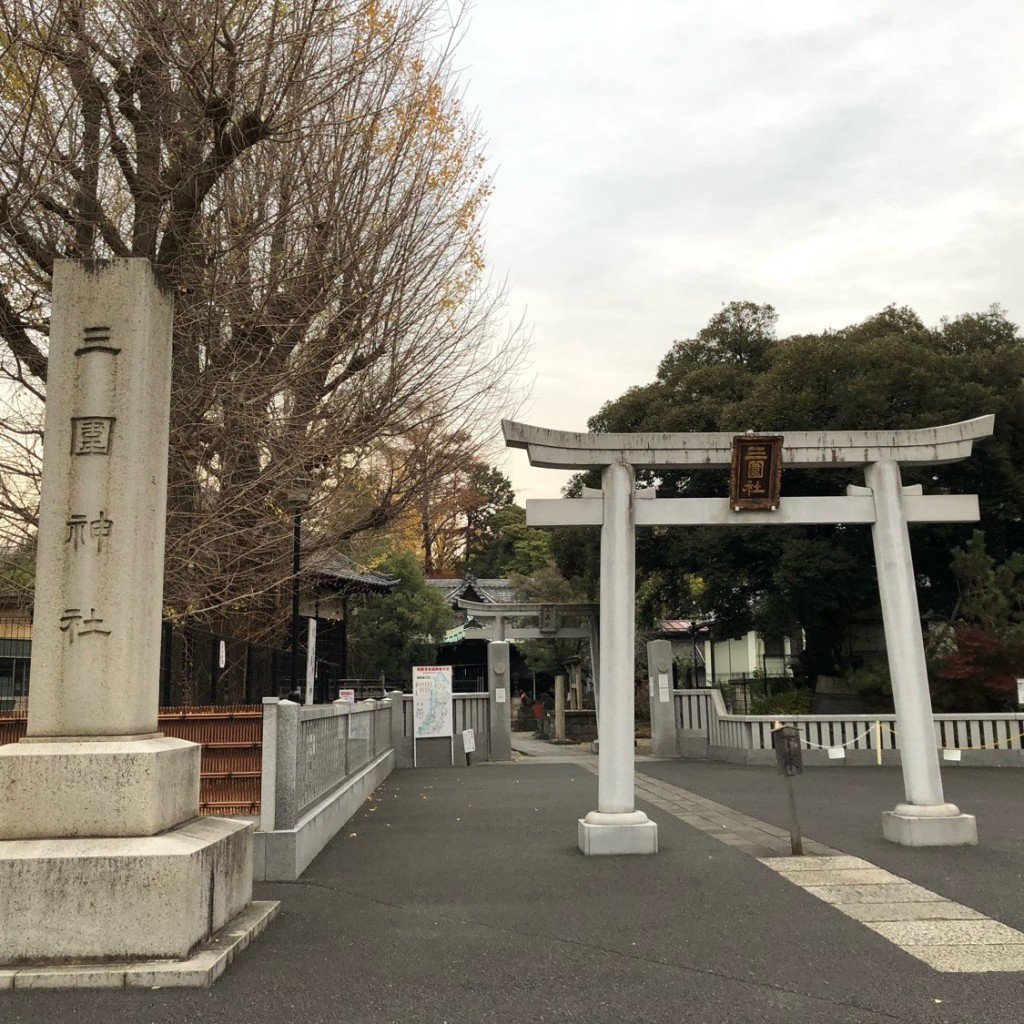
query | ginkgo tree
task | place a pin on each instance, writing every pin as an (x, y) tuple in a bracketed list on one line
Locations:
[(306, 177)]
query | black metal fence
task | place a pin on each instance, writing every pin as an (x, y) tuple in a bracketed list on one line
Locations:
[(201, 667), (15, 658), (197, 667)]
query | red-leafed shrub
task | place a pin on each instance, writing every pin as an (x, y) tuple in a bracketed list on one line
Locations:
[(981, 673)]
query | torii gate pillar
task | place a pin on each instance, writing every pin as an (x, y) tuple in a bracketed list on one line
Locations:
[(616, 826), (925, 819)]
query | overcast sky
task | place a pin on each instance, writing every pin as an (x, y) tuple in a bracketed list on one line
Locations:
[(657, 158)]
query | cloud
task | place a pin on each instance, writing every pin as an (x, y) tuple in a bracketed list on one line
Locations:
[(655, 160)]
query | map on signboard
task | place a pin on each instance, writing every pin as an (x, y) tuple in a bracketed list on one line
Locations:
[(432, 700)]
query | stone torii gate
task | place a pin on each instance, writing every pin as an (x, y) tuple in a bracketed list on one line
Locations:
[(616, 827), (497, 632)]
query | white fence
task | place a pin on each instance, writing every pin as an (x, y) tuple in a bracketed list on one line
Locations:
[(482, 712), (700, 725)]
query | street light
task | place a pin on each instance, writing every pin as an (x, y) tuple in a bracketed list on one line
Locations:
[(298, 497)]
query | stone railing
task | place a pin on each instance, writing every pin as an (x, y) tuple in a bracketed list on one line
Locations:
[(319, 764), (696, 723)]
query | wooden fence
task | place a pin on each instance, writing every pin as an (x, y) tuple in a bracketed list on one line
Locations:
[(232, 757)]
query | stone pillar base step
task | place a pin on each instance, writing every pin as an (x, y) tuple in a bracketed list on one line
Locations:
[(597, 840), (200, 970), (124, 899), (955, 830)]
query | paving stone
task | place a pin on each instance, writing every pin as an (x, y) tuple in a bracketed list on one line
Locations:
[(848, 876), (903, 892), (792, 865), (942, 910), (971, 959), (948, 933), (7, 979)]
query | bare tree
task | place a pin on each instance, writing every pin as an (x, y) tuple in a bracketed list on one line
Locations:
[(306, 178)]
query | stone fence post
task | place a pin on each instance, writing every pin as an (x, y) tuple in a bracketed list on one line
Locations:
[(398, 729), (664, 730), (560, 707), (286, 805), (500, 699), (268, 776)]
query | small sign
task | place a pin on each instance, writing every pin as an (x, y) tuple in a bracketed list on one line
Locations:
[(1020, 692), (468, 741), (664, 693), (837, 753), (499, 695), (788, 754), (951, 754), (547, 619), (756, 478), (222, 654), (347, 696)]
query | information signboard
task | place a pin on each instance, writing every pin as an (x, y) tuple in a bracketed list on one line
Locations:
[(432, 701), (432, 705)]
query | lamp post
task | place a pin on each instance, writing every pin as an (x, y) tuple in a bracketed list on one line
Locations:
[(298, 496)]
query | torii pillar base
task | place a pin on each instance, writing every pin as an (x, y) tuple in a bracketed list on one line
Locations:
[(934, 825), (602, 833)]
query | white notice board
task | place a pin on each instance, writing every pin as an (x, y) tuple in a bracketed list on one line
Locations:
[(432, 700), (432, 705)]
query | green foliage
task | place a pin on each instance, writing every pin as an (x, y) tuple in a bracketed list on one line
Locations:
[(547, 585), (509, 546), (390, 633), (490, 512), (991, 593), (888, 372), (874, 685), (792, 702)]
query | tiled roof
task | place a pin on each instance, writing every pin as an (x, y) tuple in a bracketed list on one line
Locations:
[(490, 591), (335, 570), (681, 627)]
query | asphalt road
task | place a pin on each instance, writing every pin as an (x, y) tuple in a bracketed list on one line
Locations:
[(458, 896)]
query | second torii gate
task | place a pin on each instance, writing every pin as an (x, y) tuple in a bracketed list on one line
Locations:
[(617, 827)]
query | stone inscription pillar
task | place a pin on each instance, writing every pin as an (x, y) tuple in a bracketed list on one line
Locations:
[(103, 859), (925, 819), (96, 628)]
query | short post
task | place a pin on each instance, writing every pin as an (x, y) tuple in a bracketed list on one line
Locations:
[(790, 759), (560, 708), (664, 732), (499, 721)]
